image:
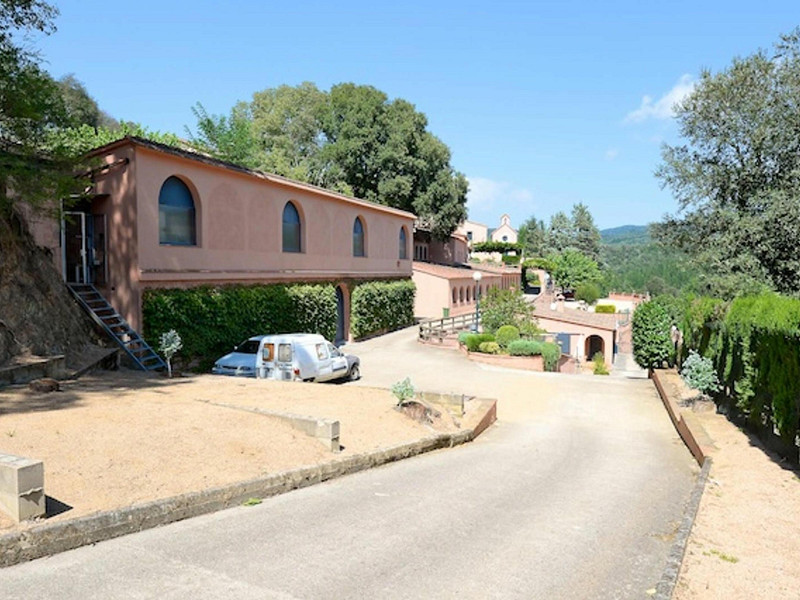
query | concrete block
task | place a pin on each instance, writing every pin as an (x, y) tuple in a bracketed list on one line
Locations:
[(21, 487)]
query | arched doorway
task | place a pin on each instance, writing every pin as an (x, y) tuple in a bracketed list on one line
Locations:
[(594, 344), (341, 334)]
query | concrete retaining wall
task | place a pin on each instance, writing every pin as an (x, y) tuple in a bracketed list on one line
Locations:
[(51, 538), (691, 432)]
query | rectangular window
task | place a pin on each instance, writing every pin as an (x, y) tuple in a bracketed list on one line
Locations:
[(268, 354), (284, 353), (322, 352), (291, 237), (176, 226)]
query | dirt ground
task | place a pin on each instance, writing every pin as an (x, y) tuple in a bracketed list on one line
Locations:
[(120, 438), (745, 543)]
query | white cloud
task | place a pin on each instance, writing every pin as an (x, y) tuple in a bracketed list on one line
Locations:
[(611, 154), (663, 108), (487, 197)]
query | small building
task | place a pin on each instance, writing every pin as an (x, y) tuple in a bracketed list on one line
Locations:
[(474, 232), (504, 233), (452, 290), (580, 334), (161, 217)]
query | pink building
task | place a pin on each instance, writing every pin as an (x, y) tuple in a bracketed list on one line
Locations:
[(163, 217), (450, 289)]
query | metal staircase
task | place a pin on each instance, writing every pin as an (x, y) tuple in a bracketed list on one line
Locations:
[(115, 326)]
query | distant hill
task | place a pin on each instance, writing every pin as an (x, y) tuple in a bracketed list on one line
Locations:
[(626, 234)]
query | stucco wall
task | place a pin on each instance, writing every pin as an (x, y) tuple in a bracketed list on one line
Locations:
[(240, 229), (578, 342)]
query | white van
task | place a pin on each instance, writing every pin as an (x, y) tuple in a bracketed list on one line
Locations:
[(289, 357)]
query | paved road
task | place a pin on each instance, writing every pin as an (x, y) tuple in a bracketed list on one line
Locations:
[(575, 493)]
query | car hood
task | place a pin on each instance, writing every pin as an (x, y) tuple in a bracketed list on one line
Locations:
[(237, 359)]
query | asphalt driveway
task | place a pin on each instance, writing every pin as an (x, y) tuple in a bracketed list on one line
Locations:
[(576, 492)]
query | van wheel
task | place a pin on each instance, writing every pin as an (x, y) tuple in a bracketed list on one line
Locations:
[(355, 373)]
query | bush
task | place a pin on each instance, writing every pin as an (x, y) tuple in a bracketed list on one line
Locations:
[(532, 278), (403, 390), (492, 246), (551, 352), (608, 309), (510, 259), (652, 343), (474, 340), (489, 348), (212, 320), (698, 373), (525, 348), (506, 307), (599, 364), (381, 306), (505, 335), (588, 292), (462, 336)]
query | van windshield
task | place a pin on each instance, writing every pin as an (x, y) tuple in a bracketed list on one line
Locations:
[(248, 347)]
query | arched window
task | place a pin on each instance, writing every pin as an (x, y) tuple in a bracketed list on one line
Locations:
[(461, 295), (359, 247), (176, 214), (403, 244), (292, 230), (455, 296), (469, 291)]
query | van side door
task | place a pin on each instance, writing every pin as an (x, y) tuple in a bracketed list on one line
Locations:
[(338, 362), (325, 371)]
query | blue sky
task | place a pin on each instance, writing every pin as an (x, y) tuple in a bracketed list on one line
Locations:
[(543, 104)]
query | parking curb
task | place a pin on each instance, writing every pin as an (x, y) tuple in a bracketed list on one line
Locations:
[(666, 585), (53, 538)]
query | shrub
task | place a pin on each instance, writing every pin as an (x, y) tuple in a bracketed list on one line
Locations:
[(599, 364), (698, 373), (505, 335), (532, 278), (462, 336), (652, 343), (506, 307), (525, 348), (403, 390), (608, 309), (588, 292), (474, 340), (489, 348), (510, 259), (381, 306), (551, 352)]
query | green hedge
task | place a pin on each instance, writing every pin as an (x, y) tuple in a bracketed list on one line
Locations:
[(754, 343), (525, 348), (211, 320), (474, 340), (381, 306), (608, 309), (550, 351)]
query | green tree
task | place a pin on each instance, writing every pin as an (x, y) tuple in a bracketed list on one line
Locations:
[(587, 236), (572, 268), (288, 124), (560, 233), (737, 175), (507, 307), (81, 108), (652, 344), (228, 138), (532, 237), (31, 105)]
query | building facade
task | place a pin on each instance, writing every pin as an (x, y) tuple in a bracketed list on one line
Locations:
[(161, 217)]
